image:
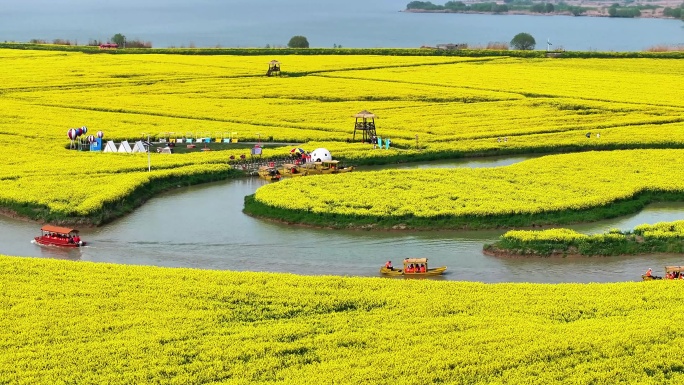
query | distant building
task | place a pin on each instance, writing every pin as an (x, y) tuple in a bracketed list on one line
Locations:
[(452, 46), (109, 46)]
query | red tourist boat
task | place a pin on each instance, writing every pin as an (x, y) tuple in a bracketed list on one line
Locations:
[(59, 236)]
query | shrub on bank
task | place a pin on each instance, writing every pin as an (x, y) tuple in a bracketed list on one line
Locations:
[(664, 237)]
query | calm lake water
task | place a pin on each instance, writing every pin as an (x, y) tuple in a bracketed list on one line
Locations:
[(350, 23), (204, 227)]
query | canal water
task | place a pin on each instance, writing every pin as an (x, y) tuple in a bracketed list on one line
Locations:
[(204, 227)]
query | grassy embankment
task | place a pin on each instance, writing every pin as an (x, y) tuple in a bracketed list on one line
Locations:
[(86, 323), (663, 237)]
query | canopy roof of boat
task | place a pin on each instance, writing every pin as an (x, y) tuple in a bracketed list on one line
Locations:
[(58, 230), (415, 260), (670, 269)]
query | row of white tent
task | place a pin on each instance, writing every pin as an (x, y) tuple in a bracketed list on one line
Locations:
[(125, 147)]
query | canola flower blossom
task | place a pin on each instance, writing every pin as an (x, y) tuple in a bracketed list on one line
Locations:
[(525, 101), (83, 322), (570, 182)]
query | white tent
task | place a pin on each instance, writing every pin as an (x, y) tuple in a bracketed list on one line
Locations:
[(165, 150), (110, 147), (125, 147), (139, 147), (321, 154)]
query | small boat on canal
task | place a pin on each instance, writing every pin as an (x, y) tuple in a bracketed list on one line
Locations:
[(326, 167), (413, 267), (293, 170), (671, 272), (59, 237), (269, 173)]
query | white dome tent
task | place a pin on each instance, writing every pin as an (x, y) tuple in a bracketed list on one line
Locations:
[(321, 155)]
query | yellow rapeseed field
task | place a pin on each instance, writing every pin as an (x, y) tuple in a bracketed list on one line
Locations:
[(86, 323), (557, 183), (455, 106)]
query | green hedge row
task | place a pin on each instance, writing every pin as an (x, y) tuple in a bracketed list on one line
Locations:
[(341, 51)]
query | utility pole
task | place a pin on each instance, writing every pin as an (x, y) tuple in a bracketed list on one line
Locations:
[(148, 145), (149, 161)]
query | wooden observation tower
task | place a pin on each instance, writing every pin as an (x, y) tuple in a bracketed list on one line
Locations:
[(273, 68), (365, 122)]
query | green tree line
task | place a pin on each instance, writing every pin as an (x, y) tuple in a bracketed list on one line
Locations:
[(509, 5)]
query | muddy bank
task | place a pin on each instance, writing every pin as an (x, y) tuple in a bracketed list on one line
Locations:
[(493, 251)]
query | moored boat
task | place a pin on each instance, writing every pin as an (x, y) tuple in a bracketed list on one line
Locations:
[(59, 236), (269, 173), (293, 170), (413, 267), (326, 167)]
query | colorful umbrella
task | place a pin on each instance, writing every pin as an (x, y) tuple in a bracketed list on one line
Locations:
[(298, 150)]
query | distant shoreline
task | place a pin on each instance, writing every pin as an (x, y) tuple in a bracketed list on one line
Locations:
[(529, 13)]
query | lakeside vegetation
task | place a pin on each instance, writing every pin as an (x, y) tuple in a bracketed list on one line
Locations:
[(494, 7), (662, 237), (474, 52), (86, 323), (607, 9)]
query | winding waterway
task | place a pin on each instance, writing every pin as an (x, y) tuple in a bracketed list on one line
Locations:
[(204, 227)]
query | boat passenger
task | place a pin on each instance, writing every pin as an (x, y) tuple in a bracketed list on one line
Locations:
[(422, 268), (77, 239), (388, 265), (409, 269), (649, 273)]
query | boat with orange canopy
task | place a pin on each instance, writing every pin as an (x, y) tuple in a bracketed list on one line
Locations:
[(59, 236), (414, 267)]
